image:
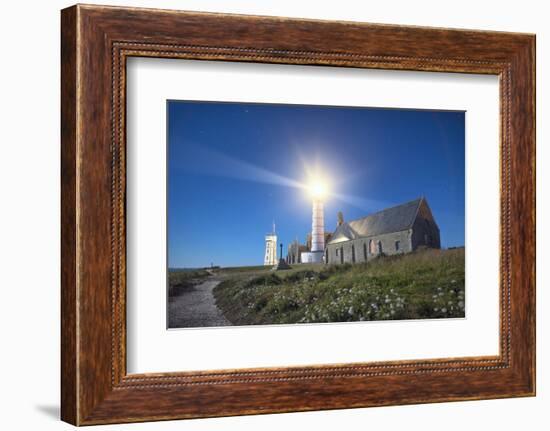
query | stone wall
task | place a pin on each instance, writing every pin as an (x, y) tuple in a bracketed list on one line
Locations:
[(354, 251), (425, 233)]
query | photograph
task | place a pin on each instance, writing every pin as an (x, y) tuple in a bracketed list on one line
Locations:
[(284, 214)]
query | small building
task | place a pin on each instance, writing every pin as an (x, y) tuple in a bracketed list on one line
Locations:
[(295, 250), (400, 229)]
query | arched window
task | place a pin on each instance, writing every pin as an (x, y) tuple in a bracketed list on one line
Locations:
[(341, 254), (380, 251), (353, 253), (397, 245), (372, 247), (365, 251)]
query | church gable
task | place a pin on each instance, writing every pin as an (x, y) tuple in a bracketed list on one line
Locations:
[(344, 232), (425, 212), (425, 229)]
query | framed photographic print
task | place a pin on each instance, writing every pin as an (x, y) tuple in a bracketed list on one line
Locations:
[(268, 215), (387, 262)]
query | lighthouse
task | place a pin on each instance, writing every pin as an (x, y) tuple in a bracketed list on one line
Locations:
[(317, 226), (318, 192)]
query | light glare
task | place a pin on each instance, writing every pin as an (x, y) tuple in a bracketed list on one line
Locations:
[(318, 188)]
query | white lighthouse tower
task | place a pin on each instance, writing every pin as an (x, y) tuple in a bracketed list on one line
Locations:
[(270, 258), (315, 255), (318, 227)]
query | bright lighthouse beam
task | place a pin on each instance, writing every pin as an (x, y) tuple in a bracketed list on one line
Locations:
[(214, 163), (318, 188)]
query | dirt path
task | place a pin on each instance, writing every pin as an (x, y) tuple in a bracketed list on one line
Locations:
[(196, 308)]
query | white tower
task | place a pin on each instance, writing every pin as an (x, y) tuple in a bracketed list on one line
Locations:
[(271, 248), (318, 226), (315, 255)]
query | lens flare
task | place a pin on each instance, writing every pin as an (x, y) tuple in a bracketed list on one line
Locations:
[(318, 188)]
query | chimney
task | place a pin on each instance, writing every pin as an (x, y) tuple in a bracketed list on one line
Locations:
[(340, 219)]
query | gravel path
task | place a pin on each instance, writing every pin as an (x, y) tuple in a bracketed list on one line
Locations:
[(196, 308)]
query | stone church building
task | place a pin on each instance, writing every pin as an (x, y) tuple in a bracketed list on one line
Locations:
[(400, 229)]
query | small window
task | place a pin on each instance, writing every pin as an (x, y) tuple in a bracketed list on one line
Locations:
[(365, 250), (353, 253), (380, 251), (397, 246), (337, 252)]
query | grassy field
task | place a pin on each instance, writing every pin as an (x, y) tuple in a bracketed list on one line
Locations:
[(424, 284)]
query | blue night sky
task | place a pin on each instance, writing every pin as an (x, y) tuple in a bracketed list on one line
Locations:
[(233, 170)]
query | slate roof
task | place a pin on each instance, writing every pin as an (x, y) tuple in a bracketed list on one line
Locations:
[(394, 219)]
